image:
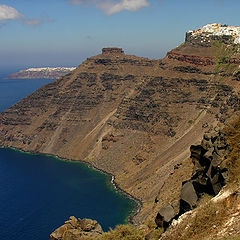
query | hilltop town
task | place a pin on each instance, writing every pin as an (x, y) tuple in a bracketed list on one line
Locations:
[(215, 31)]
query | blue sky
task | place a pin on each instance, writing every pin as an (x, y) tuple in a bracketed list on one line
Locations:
[(65, 32)]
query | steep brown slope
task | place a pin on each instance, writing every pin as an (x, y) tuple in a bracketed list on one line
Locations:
[(130, 116)]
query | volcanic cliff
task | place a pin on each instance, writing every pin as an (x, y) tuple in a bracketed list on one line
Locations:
[(133, 117)]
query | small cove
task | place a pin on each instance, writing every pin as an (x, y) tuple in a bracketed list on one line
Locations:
[(38, 192)]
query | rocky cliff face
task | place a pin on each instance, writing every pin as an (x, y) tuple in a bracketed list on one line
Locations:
[(131, 116)]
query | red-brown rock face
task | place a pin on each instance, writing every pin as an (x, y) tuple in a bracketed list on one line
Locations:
[(196, 60)]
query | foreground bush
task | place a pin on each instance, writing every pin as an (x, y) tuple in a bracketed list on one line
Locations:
[(123, 232)]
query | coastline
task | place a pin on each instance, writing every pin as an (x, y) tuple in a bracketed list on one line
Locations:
[(115, 185)]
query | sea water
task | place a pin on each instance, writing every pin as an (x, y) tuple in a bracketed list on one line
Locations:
[(38, 192)]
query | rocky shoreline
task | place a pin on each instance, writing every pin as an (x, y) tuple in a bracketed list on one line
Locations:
[(116, 186)]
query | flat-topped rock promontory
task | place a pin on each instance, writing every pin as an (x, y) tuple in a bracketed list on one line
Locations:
[(112, 50)]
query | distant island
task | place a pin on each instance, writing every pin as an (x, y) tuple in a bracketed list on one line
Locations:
[(44, 72)]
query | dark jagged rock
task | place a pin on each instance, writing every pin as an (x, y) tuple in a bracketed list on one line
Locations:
[(209, 176), (189, 194), (164, 216), (207, 159)]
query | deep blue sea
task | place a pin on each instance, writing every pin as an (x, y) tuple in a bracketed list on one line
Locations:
[(38, 193)]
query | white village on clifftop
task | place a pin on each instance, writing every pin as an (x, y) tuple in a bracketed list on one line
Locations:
[(216, 29)]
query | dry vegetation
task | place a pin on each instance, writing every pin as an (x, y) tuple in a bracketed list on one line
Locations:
[(131, 232), (208, 219), (123, 232), (233, 138)]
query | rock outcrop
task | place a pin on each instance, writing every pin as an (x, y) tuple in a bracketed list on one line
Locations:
[(165, 216), (210, 170), (210, 174), (77, 229), (112, 50)]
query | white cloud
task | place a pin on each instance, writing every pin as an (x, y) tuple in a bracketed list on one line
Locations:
[(112, 6), (9, 13), (129, 5)]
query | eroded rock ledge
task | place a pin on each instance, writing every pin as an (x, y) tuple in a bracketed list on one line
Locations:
[(112, 50), (77, 229)]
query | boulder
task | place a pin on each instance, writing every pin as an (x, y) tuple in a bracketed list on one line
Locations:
[(215, 179), (220, 144), (206, 144), (216, 161), (209, 153), (225, 175), (201, 179), (217, 187), (196, 151), (165, 216), (188, 194)]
